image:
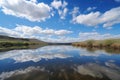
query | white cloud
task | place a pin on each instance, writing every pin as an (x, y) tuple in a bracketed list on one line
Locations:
[(56, 4), (64, 4), (82, 37), (8, 32), (63, 13), (60, 7), (96, 36), (22, 9), (107, 19), (51, 35), (38, 30), (33, 32), (91, 8), (75, 12), (117, 0), (89, 19)]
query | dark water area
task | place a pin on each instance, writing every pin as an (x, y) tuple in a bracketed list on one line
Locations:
[(59, 63)]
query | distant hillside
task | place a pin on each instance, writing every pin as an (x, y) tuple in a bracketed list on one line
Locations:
[(6, 41), (18, 39), (7, 38)]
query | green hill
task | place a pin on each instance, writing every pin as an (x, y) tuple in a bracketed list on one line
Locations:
[(11, 42)]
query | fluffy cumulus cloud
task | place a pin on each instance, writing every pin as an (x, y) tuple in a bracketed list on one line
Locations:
[(51, 35), (60, 7), (27, 30), (48, 35), (107, 19), (33, 32), (22, 9), (56, 4)]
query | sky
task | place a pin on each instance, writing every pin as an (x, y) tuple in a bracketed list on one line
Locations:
[(60, 20)]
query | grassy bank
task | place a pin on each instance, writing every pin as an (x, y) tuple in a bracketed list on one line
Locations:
[(9, 45), (108, 43)]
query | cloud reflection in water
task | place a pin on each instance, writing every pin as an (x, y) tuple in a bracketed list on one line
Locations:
[(71, 64), (36, 55)]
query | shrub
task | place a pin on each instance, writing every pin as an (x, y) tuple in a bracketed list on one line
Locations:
[(108, 42), (90, 43)]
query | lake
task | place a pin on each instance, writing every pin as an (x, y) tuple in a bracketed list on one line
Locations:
[(59, 63)]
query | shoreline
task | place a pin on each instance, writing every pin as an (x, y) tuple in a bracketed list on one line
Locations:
[(108, 43)]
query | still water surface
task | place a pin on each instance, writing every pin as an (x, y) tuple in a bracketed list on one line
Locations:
[(59, 63)]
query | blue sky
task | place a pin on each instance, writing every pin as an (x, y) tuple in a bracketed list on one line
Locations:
[(60, 20)]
